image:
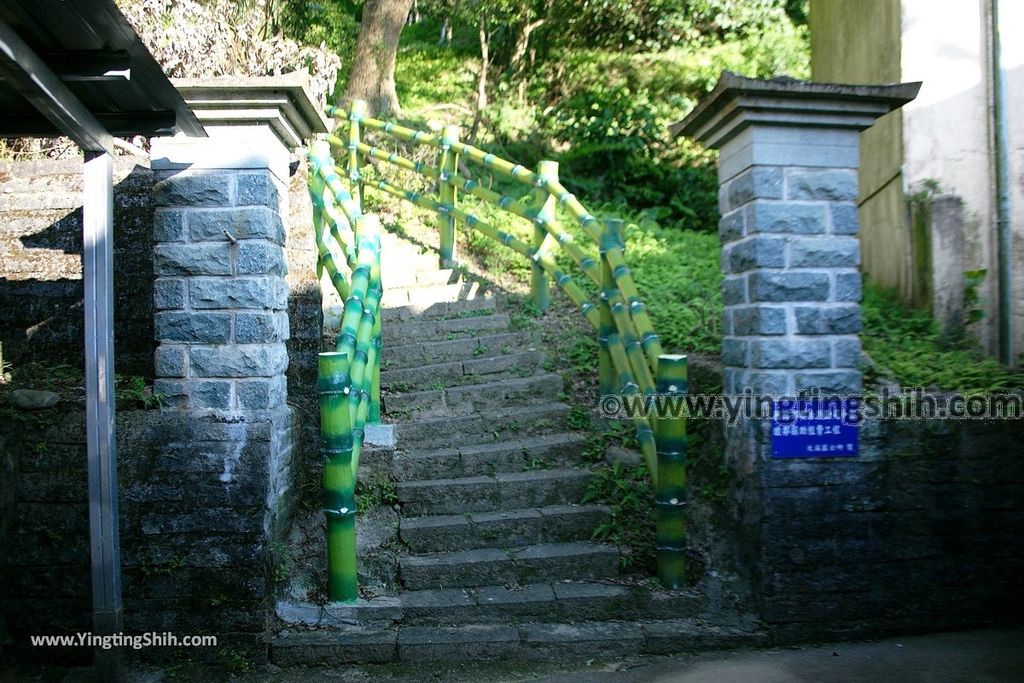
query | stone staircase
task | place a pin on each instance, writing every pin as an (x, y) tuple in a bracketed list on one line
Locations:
[(496, 558)]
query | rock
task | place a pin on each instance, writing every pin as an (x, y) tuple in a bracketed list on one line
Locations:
[(626, 456), (32, 399)]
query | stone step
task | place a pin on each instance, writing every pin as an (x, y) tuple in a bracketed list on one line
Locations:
[(503, 491), (459, 372), (482, 304), (422, 331), (478, 428), (423, 297), (591, 640), (544, 562), (406, 277), (544, 451), (566, 601), (469, 398), (429, 352), (503, 529)]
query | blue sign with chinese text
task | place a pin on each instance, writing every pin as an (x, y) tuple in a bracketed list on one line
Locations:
[(814, 429)]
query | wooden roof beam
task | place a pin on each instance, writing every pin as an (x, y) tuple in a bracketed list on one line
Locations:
[(25, 71)]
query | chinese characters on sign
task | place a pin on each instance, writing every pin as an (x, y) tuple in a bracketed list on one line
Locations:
[(813, 429)]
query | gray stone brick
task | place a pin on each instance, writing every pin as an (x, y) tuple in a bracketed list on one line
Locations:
[(756, 252), (727, 321), (239, 292), (836, 186), (169, 225), (759, 182), (756, 320), (845, 219), (258, 189), (194, 394), (830, 320), (734, 290), (260, 258), (846, 353), (253, 360), (261, 394), (171, 361), (192, 259), (840, 382), (734, 352), (848, 287), (789, 353), (192, 327), (260, 328), (731, 226), (248, 223), (788, 286), (825, 252), (767, 382), (786, 217), (194, 189), (169, 293)]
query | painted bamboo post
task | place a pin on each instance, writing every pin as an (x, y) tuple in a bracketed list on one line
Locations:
[(376, 343), (356, 114), (670, 488), (547, 171), (448, 168), (339, 481), (611, 234)]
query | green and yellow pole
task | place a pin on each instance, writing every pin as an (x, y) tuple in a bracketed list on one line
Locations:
[(449, 166), (611, 235), (670, 488), (355, 116), (339, 481), (547, 172)]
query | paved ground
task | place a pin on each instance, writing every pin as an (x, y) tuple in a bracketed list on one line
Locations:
[(994, 656)]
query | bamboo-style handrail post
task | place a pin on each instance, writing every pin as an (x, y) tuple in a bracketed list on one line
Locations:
[(355, 116), (611, 235), (670, 489), (547, 172), (339, 482), (449, 166)]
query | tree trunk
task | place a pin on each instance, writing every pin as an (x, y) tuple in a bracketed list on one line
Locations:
[(372, 77), (519, 53)]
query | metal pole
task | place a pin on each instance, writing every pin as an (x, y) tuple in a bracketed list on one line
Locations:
[(97, 272)]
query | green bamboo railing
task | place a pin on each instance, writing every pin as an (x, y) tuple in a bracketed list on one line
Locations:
[(631, 360)]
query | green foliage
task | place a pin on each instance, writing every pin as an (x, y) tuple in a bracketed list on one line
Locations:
[(630, 496), (906, 347), (380, 490)]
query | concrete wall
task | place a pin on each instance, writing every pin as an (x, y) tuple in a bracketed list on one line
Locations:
[(919, 533), (942, 137), (41, 263)]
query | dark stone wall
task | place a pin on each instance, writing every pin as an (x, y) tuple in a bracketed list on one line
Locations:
[(920, 532), (41, 263), (194, 516)]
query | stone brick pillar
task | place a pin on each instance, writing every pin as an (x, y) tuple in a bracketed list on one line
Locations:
[(789, 155), (787, 174), (220, 295)]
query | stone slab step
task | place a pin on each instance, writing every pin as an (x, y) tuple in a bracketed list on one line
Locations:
[(528, 452), (503, 529), (418, 353), (421, 331), (566, 601), (482, 304), (503, 491), (546, 562), (479, 428), (529, 640), (469, 398), (405, 277), (424, 296), (458, 372)]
